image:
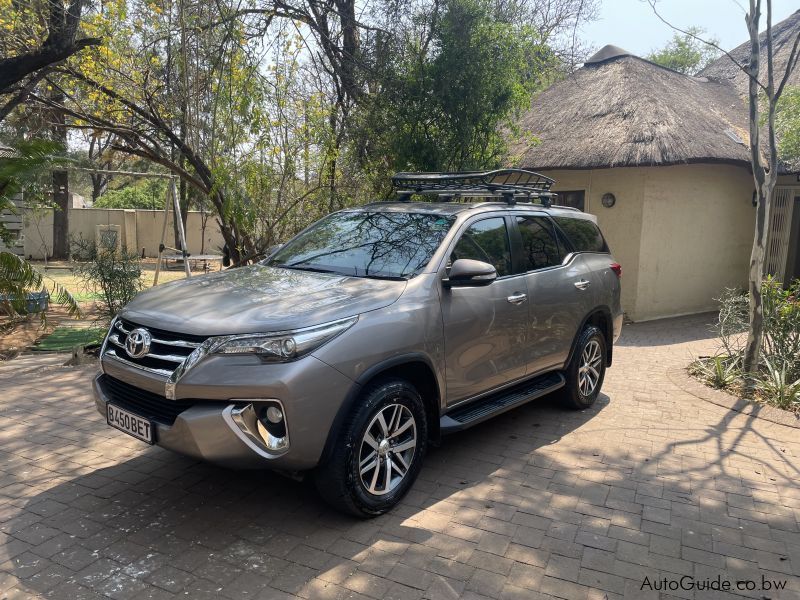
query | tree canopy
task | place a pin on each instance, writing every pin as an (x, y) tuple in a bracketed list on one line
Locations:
[(686, 53), (275, 112), (787, 125)]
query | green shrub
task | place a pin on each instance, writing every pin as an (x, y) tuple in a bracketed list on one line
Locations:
[(114, 273), (778, 379), (82, 249), (782, 325), (778, 387), (718, 371)]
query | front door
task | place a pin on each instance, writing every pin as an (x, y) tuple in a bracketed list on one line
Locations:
[(484, 327)]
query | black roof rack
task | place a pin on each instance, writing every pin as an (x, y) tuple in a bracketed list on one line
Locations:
[(512, 185)]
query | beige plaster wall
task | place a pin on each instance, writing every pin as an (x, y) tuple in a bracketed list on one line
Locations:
[(697, 235), (682, 233), (138, 228)]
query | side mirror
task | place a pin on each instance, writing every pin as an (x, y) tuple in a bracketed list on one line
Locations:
[(466, 272)]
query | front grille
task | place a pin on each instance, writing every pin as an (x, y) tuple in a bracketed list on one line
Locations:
[(167, 349), (143, 403)]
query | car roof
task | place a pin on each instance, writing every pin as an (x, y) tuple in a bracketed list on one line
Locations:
[(455, 208)]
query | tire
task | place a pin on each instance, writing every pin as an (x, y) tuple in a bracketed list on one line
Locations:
[(346, 480), (583, 385)]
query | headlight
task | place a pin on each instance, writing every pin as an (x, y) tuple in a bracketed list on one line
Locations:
[(282, 346)]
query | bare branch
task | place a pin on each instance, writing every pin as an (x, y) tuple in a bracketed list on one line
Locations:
[(790, 66), (696, 37)]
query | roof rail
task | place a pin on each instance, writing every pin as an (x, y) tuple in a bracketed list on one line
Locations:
[(512, 185)]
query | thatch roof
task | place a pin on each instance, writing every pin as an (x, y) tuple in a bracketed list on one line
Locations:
[(783, 37), (620, 110)]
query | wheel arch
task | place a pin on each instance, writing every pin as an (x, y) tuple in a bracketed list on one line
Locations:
[(417, 369), (601, 318)]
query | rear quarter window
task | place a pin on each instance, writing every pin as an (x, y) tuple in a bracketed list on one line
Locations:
[(583, 234)]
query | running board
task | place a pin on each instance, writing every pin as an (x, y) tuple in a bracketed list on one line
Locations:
[(486, 408)]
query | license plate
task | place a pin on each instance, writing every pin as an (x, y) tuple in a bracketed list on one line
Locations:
[(130, 423)]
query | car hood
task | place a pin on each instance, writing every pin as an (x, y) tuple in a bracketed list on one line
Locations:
[(258, 299)]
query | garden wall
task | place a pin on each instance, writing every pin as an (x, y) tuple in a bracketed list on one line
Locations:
[(138, 229)]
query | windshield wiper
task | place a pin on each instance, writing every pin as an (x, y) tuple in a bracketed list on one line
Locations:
[(303, 268), (386, 277), (300, 267)]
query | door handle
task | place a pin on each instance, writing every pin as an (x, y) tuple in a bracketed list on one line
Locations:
[(517, 298), (582, 284)]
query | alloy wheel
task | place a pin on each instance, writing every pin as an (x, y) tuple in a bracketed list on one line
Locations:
[(589, 370), (387, 449)]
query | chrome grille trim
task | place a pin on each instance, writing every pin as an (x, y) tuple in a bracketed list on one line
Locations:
[(155, 340), (168, 351), (110, 353), (176, 358)]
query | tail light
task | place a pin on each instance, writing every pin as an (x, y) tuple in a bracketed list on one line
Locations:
[(617, 268)]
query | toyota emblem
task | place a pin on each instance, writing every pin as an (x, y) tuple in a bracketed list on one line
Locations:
[(137, 344)]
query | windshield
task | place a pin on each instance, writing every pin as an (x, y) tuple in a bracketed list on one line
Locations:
[(391, 245)]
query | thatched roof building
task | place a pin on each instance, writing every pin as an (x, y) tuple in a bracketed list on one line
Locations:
[(662, 159), (784, 35), (621, 110)]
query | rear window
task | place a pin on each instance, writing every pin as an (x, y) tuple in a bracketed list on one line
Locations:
[(583, 234)]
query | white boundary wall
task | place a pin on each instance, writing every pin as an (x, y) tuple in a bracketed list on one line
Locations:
[(138, 228)]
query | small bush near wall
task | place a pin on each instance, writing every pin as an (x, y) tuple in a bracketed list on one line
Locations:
[(82, 249), (112, 272), (779, 376)]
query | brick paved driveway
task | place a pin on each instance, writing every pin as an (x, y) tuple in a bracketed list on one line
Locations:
[(538, 503)]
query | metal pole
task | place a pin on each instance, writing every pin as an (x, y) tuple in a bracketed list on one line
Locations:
[(163, 235), (181, 232)]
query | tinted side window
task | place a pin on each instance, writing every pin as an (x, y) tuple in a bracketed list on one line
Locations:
[(487, 241), (584, 234), (539, 246)]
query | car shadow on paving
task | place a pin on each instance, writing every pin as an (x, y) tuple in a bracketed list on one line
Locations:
[(159, 524), (540, 502)]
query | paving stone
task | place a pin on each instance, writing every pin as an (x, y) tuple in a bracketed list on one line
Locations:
[(649, 482)]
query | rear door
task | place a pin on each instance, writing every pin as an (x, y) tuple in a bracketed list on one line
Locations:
[(602, 286), (556, 306), (484, 327)]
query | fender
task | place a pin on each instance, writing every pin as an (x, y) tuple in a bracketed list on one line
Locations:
[(364, 379), (609, 333)]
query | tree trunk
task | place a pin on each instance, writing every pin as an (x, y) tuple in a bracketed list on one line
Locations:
[(756, 332), (99, 185), (61, 215), (60, 194), (764, 176)]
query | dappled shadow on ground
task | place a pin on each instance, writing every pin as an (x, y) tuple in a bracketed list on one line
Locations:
[(647, 483), (159, 521)]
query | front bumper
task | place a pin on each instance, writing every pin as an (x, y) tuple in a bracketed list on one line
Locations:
[(210, 424)]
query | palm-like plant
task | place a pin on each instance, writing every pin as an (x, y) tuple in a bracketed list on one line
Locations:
[(18, 278), (718, 371), (778, 386)]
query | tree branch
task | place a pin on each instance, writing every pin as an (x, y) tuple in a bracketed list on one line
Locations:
[(714, 45)]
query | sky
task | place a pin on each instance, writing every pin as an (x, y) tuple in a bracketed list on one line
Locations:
[(632, 25)]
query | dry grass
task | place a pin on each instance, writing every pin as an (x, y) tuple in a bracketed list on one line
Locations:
[(21, 334)]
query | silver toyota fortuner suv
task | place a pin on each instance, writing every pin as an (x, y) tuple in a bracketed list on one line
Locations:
[(371, 334)]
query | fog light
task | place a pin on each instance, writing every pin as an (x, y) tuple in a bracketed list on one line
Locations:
[(274, 414)]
